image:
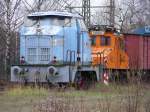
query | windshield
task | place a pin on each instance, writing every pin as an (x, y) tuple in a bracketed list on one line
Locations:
[(55, 21)]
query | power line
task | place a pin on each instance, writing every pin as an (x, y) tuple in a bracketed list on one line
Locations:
[(86, 11), (90, 7)]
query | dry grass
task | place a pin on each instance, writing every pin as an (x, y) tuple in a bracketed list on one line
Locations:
[(21, 99), (132, 97), (113, 98)]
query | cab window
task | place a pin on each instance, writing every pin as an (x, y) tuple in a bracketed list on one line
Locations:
[(93, 41), (105, 41)]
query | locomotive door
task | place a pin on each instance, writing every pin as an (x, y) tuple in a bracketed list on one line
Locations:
[(31, 49), (38, 49), (57, 48), (44, 50)]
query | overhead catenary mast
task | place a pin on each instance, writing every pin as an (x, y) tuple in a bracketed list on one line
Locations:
[(39, 4), (112, 13), (86, 12)]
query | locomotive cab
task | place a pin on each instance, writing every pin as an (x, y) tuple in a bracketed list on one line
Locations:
[(108, 49)]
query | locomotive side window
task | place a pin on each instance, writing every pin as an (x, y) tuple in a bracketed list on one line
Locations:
[(82, 25), (45, 54), (61, 21), (93, 41), (56, 21), (105, 41), (67, 22)]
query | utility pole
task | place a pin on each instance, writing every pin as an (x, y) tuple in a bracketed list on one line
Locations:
[(86, 12)]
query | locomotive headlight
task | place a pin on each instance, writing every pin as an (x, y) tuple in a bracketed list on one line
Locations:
[(52, 71), (16, 70)]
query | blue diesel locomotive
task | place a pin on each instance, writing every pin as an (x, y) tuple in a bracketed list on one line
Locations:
[(54, 47)]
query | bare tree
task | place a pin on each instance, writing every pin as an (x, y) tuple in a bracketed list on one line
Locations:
[(129, 14), (11, 19), (47, 5), (133, 14)]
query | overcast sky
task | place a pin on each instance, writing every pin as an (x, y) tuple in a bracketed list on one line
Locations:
[(97, 2)]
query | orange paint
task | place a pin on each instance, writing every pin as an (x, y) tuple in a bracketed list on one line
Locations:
[(107, 50)]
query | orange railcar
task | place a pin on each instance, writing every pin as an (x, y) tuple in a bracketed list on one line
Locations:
[(108, 49)]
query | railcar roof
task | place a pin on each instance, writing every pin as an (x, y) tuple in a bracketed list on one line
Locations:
[(142, 31), (54, 13)]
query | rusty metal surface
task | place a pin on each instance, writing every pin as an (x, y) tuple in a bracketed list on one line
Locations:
[(138, 50)]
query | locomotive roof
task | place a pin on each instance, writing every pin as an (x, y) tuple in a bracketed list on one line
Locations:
[(54, 13)]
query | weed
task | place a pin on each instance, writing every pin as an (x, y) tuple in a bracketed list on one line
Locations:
[(27, 91)]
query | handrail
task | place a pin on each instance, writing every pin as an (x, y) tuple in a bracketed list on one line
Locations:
[(71, 53)]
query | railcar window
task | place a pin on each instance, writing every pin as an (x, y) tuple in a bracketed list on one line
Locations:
[(93, 41), (45, 54), (105, 41)]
